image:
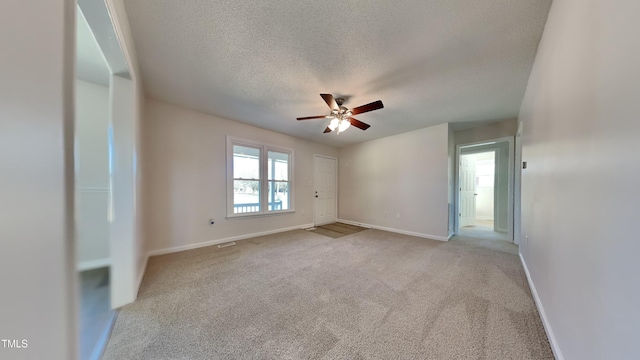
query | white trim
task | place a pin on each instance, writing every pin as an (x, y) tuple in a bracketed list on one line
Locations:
[(543, 315), (258, 214), (141, 274), (263, 180), (101, 345), (517, 186), (220, 241), (398, 231), (93, 264)]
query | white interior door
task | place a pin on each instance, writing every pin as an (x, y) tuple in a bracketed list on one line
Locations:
[(325, 183), (467, 191)]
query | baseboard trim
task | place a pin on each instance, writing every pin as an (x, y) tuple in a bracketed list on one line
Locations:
[(450, 236), (221, 241), (141, 274), (398, 231), (93, 264), (101, 345), (545, 321)]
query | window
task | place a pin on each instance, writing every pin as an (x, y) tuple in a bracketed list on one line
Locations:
[(260, 178), (246, 179)]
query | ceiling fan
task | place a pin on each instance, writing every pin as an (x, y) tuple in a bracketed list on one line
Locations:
[(341, 116)]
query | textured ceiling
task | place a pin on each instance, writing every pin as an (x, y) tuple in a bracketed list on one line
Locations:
[(266, 62), (90, 63)]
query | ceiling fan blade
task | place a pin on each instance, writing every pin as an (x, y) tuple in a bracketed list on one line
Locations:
[(312, 117), (359, 124), (328, 98), (326, 130), (366, 108)]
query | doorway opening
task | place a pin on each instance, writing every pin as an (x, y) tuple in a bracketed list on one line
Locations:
[(103, 114), (93, 190), (477, 195), (485, 190)]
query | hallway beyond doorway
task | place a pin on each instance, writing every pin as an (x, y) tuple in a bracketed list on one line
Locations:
[(483, 229), (484, 190)]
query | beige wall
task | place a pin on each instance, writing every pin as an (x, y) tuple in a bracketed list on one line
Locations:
[(186, 178), (37, 262), (579, 191), (404, 174)]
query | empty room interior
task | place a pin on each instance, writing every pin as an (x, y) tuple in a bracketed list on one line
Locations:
[(320, 180)]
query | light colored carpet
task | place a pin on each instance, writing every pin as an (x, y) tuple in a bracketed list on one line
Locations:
[(337, 230), (299, 295)]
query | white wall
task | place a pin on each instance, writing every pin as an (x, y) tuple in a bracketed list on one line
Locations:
[(37, 267), (127, 101), (405, 174), (92, 173), (579, 191), (186, 177), (496, 130)]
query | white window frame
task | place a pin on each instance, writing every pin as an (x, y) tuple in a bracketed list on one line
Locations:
[(264, 181)]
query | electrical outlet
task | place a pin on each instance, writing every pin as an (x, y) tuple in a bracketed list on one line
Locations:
[(385, 214), (397, 215)]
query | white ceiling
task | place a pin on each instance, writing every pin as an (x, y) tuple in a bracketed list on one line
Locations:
[(266, 62), (90, 63)]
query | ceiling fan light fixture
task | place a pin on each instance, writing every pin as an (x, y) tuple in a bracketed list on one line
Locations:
[(344, 125), (334, 124)]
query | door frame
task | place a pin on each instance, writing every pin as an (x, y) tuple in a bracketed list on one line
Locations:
[(335, 210), (510, 183)]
